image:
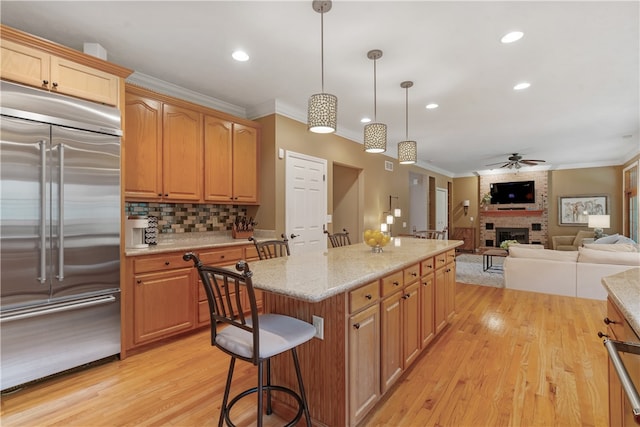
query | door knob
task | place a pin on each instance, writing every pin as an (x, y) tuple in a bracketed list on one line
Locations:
[(293, 236)]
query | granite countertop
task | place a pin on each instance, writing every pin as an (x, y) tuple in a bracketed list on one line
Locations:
[(624, 291), (319, 275), (173, 242)]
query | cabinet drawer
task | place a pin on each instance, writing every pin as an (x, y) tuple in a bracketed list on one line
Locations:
[(411, 273), (427, 266), (393, 282), (221, 256), (363, 296), (451, 256), (616, 326), (251, 253), (160, 263), (441, 260)]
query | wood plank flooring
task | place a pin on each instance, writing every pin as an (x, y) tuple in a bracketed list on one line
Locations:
[(509, 358)]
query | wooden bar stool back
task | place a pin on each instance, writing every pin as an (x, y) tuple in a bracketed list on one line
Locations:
[(272, 248), (253, 337), (339, 239)]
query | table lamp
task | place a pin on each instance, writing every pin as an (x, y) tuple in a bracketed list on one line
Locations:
[(598, 222)]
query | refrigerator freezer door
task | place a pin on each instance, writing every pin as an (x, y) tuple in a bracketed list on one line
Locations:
[(24, 227), (85, 212)]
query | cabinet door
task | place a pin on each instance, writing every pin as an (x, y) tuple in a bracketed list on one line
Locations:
[(391, 340), (411, 323), (218, 157), (181, 153), (25, 65), (427, 321), (364, 362), (450, 291), (71, 78), (245, 164), (439, 305), (163, 304), (143, 148)]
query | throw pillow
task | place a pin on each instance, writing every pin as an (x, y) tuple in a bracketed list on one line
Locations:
[(616, 247), (605, 257), (608, 239), (518, 252)]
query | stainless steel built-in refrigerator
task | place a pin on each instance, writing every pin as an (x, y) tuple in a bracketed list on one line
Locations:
[(60, 233)]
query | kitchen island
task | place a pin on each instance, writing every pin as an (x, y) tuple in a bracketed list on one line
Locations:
[(378, 312)]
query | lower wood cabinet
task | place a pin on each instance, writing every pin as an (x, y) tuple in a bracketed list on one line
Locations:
[(164, 296), (163, 303), (364, 362), (427, 319)]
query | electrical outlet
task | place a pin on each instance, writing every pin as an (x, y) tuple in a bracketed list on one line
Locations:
[(318, 323)]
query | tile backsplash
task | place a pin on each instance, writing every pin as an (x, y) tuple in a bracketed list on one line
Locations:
[(187, 217)]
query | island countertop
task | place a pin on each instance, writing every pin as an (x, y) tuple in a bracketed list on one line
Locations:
[(319, 275), (624, 291)]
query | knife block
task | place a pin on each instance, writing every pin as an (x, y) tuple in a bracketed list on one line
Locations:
[(240, 234)]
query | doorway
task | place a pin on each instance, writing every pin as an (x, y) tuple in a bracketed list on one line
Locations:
[(418, 213), (306, 202), (348, 199), (442, 215)]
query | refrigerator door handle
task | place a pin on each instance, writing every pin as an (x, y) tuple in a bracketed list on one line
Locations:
[(57, 308), (43, 212), (60, 275)]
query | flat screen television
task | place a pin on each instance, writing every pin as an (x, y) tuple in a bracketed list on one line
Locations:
[(505, 193)]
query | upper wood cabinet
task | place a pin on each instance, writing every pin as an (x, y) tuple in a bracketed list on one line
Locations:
[(33, 67), (177, 151)]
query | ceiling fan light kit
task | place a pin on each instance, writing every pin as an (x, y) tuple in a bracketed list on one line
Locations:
[(516, 161), (322, 113), (375, 134)]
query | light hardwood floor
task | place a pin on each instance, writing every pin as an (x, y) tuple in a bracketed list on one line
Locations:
[(509, 358)]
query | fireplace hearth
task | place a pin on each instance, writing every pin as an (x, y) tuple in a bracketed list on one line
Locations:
[(521, 235)]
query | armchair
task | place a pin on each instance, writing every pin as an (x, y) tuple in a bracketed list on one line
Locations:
[(570, 243)]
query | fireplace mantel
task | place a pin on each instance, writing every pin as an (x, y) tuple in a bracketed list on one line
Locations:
[(507, 213)]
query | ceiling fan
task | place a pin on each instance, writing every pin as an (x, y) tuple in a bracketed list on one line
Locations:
[(516, 160)]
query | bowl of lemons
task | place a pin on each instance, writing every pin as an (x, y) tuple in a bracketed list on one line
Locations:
[(376, 239)]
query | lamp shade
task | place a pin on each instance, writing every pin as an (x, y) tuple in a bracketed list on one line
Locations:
[(322, 114), (466, 203), (389, 219), (407, 152), (599, 221), (375, 138), (397, 212)]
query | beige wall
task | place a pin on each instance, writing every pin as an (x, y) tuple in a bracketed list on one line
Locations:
[(378, 184), (588, 181)]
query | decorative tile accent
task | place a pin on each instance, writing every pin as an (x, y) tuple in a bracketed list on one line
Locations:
[(187, 217)]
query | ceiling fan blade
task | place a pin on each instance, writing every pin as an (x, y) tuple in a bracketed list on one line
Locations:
[(498, 163), (531, 162)]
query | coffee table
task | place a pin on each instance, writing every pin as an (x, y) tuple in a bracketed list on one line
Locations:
[(487, 258)]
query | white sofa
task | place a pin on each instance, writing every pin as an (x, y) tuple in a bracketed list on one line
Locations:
[(571, 273)]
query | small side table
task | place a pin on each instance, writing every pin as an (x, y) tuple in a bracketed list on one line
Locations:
[(487, 257)]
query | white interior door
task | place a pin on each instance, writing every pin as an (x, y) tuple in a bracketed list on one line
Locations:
[(442, 216), (306, 202)]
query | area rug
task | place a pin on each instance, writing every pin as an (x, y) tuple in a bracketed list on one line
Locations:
[(469, 270)]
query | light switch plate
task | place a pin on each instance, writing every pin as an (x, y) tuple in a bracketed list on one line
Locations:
[(329, 218), (281, 153)]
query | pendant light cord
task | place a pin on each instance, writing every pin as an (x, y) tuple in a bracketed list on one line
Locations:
[(322, 47), (406, 115), (374, 93)]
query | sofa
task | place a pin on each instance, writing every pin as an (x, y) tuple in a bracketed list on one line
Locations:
[(570, 243), (570, 273)]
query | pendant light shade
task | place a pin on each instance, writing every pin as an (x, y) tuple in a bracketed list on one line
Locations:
[(407, 150), (322, 114), (375, 134)]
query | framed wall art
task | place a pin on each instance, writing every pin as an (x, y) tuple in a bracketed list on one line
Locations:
[(575, 210)]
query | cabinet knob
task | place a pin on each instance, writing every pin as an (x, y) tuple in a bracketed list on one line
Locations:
[(167, 263), (159, 194), (601, 335), (166, 195), (406, 296), (396, 284), (45, 82), (368, 296), (139, 282), (608, 321), (356, 326), (414, 274), (55, 84)]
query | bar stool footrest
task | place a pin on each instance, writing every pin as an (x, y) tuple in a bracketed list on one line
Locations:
[(266, 388)]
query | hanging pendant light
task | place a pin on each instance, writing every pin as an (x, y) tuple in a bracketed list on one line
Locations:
[(407, 150), (322, 115), (375, 134)]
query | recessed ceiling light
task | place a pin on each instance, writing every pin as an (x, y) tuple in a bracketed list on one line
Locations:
[(365, 120), (240, 55), (511, 37), (431, 106), (521, 86)]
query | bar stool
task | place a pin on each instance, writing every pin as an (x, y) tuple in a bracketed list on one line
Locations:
[(254, 339), (338, 239), (268, 249)]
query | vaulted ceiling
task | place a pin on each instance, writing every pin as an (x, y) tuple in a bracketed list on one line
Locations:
[(580, 57)]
